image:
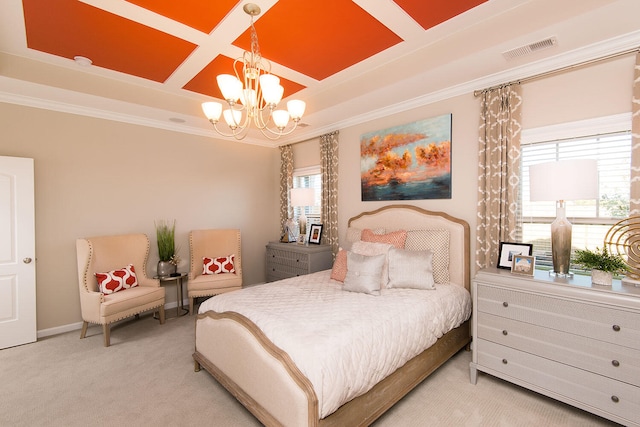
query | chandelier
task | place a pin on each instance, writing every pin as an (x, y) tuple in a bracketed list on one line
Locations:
[(252, 95)]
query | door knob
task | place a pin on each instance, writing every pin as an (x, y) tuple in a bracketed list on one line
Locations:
[(27, 260)]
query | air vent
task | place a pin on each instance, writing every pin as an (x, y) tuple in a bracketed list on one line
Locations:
[(530, 48)]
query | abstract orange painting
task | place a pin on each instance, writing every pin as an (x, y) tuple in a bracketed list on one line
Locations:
[(407, 162)]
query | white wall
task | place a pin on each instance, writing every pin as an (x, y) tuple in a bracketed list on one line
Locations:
[(598, 90), (95, 177)]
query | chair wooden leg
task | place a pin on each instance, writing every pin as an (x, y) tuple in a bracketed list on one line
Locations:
[(161, 313), (190, 306), (106, 331), (83, 332)]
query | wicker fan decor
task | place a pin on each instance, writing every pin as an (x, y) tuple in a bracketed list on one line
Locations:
[(623, 238)]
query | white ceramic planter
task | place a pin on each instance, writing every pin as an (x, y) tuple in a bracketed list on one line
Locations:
[(603, 278)]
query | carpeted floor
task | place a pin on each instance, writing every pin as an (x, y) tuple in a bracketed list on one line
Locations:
[(146, 378)]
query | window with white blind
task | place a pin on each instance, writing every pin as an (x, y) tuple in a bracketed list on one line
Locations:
[(591, 219), (309, 178)]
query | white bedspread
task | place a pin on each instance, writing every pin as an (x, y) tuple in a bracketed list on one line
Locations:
[(346, 342)]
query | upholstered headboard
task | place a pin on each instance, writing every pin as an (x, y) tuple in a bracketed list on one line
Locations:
[(407, 217)]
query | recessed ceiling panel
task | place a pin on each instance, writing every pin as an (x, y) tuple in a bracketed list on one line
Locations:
[(206, 84), (198, 14), (69, 28), (431, 13), (319, 38)]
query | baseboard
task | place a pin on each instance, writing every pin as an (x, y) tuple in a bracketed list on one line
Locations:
[(42, 333)]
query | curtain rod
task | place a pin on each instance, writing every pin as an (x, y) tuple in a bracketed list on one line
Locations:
[(477, 93)]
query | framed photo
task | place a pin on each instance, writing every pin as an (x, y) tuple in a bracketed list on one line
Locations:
[(315, 234), (508, 250), (523, 264)]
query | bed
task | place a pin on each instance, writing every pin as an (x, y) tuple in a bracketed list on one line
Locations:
[(255, 342)]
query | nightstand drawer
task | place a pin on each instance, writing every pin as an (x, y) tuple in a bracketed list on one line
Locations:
[(611, 325), (288, 258), (614, 361), (557, 379)]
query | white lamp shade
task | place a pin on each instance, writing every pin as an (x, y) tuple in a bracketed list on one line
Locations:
[(272, 91), (575, 179), (303, 197), (232, 117), (212, 110), (230, 87), (249, 98), (280, 118), (296, 108)]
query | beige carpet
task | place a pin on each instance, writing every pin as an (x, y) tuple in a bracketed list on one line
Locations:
[(146, 378)]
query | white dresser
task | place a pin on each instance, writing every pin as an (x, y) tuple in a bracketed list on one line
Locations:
[(564, 338)]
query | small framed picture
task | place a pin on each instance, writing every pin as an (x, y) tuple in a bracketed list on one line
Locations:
[(523, 264), (508, 250), (315, 234), (302, 239)]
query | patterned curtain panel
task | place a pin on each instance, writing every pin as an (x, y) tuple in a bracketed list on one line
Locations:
[(329, 170), (498, 172), (286, 182), (634, 202)]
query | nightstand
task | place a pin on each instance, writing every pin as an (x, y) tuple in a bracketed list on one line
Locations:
[(284, 260), (565, 338)]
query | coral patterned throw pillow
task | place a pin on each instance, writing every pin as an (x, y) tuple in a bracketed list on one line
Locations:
[(219, 265), (117, 280)]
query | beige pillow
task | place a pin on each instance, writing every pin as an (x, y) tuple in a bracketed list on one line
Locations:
[(363, 273), (437, 241), (411, 269), (355, 234)]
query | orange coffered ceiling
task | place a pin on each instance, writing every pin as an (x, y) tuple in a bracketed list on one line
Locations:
[(307, 41)]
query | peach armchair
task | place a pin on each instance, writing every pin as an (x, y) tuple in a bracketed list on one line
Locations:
[(213, 244), (106, 253)]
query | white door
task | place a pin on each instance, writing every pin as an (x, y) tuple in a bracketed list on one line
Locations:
[(17, 252)]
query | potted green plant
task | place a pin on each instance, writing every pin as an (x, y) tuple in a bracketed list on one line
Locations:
[(165, 233), (603, 264)]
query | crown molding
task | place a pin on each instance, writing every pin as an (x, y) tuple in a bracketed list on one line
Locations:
[(35, 95)]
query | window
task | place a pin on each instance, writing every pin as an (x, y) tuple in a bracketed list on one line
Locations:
[(591, 219), (309, 178)]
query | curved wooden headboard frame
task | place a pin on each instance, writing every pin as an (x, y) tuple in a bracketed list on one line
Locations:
[(408, 217)]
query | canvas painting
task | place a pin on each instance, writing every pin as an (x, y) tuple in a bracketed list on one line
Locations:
[(407, 162)]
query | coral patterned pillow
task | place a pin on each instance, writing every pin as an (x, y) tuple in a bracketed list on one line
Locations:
[(395, 238), (219, 265), (339, 270), (117, 280)]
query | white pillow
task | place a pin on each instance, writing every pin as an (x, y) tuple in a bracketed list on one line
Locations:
[(411, 269), (437, 241), (363, 273), (373, 248)]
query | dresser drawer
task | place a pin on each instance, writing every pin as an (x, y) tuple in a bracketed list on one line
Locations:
[(572, 385), (611, 360), (289, 259), (599, 322)]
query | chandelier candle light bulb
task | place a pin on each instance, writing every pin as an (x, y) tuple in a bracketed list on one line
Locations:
[(258, 92)]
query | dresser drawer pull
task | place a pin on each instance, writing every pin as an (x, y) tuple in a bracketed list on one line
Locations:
[(615, 399), (616, 328), (505, 304), (615, 363), (504, 361), (504, 332)]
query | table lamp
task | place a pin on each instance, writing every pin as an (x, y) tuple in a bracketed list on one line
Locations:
[(575, 179), (303, 197)]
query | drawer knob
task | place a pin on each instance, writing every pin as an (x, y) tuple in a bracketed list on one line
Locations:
[(615, 363), (616, 328), (615, 399), (504, 332), (504, 361), (506, 304)]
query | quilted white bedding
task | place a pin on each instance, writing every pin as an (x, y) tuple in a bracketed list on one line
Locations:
[(346, 342)]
